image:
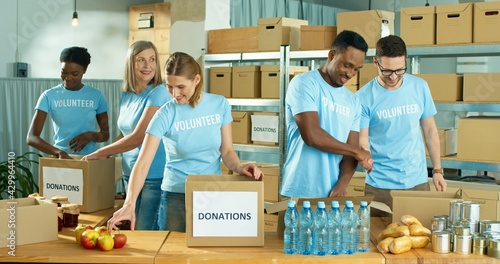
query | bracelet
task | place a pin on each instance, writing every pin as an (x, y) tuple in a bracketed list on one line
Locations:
[(440, 170)]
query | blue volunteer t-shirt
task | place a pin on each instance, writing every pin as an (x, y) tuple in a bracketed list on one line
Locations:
[(309, 172), (132, 107), (73, 113), (393, 121), (192, 138)]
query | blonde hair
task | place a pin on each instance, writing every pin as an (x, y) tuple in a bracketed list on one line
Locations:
[(182, 64), (137, 47)]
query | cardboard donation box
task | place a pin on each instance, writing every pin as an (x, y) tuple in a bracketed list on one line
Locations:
[(481, 87), (317, 37), (90, 184), (265, 128), (486, 21), (454, 23), (371, 25), (27, 221), (241, 127), (277, 31), (271, 181), (220, 81), (478, 138), (224, 210), (233, 40), (418, 25), (422, 204), (444, 87)]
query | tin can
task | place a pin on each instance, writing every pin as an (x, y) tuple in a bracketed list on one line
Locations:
[(462, 230), (455, 213), (494, 248), (439, 223), (472, 225), (488, 226), (463, 244), (479, 245), (441, 242), (470, 211)]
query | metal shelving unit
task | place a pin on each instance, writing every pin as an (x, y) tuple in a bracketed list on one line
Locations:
[(266, 105), (470, 50)]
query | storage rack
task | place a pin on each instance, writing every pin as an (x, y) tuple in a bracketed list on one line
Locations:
[(284, 56)]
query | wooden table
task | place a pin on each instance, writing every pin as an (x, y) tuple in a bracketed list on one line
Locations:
[(141, 246), (424, 255), (174, 250)]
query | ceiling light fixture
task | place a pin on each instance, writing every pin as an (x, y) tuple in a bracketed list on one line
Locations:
[(74, 21)]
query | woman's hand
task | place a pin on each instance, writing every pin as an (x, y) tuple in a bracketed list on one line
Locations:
[(250, 170), (80, 141), (127, 212)]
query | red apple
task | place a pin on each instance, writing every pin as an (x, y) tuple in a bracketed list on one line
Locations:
[(105, 242), (120, 240), (102, 230), (89, 238), (79, 230)]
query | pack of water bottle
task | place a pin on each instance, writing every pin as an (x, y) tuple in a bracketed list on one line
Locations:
[(326, 232)]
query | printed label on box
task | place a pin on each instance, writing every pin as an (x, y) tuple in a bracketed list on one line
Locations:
[(265, 128), (65, 182), (225, 214)]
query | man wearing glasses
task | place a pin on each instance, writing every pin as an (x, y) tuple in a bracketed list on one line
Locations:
[(396, 107)]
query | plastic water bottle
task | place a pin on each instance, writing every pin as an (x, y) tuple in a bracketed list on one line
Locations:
[(334, 229), (364, 227), (291, 236), (349, 229), (320, 232), (306, 229)]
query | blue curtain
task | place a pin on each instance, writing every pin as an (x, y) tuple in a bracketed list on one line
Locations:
[(245, 13), (19, 97)]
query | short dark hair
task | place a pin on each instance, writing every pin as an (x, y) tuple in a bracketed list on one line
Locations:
[(390, 46), (77, 55), (348, 38)]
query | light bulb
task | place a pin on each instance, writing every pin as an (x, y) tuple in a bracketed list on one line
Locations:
[(74, 21)]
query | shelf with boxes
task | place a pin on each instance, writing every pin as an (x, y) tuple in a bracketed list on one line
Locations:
[(470, 92)]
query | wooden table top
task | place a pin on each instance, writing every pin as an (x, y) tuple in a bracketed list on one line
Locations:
[(175, 251)]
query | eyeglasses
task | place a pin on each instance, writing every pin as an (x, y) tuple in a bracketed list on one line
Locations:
[(390, 72)]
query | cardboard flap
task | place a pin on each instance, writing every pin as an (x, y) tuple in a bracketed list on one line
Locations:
[(238, 116), (269, 21), (421, 10), (488, 6), (454, 8), (282, 205), (385, 15), (216, 178)]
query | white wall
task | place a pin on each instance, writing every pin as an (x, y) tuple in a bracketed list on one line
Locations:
[(40, 29)]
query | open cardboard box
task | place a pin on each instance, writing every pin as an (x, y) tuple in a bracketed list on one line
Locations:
[(27, 221), (224, 210), (421, 204)]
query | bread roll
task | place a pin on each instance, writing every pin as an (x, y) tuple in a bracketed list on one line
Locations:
[(400, 245), (393, 225), (393, 232), (383, 246), (419, 230), (409, 220), (419, 241)]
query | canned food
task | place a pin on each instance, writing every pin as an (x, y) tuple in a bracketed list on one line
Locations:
[(489, 225), (470, 211), (439, 224), (462, 231), (479, 245), (463, 244), (455, 213), (440, 242), (472, 225)]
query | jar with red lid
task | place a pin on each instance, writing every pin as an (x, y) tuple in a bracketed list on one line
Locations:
[(70, 215)]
